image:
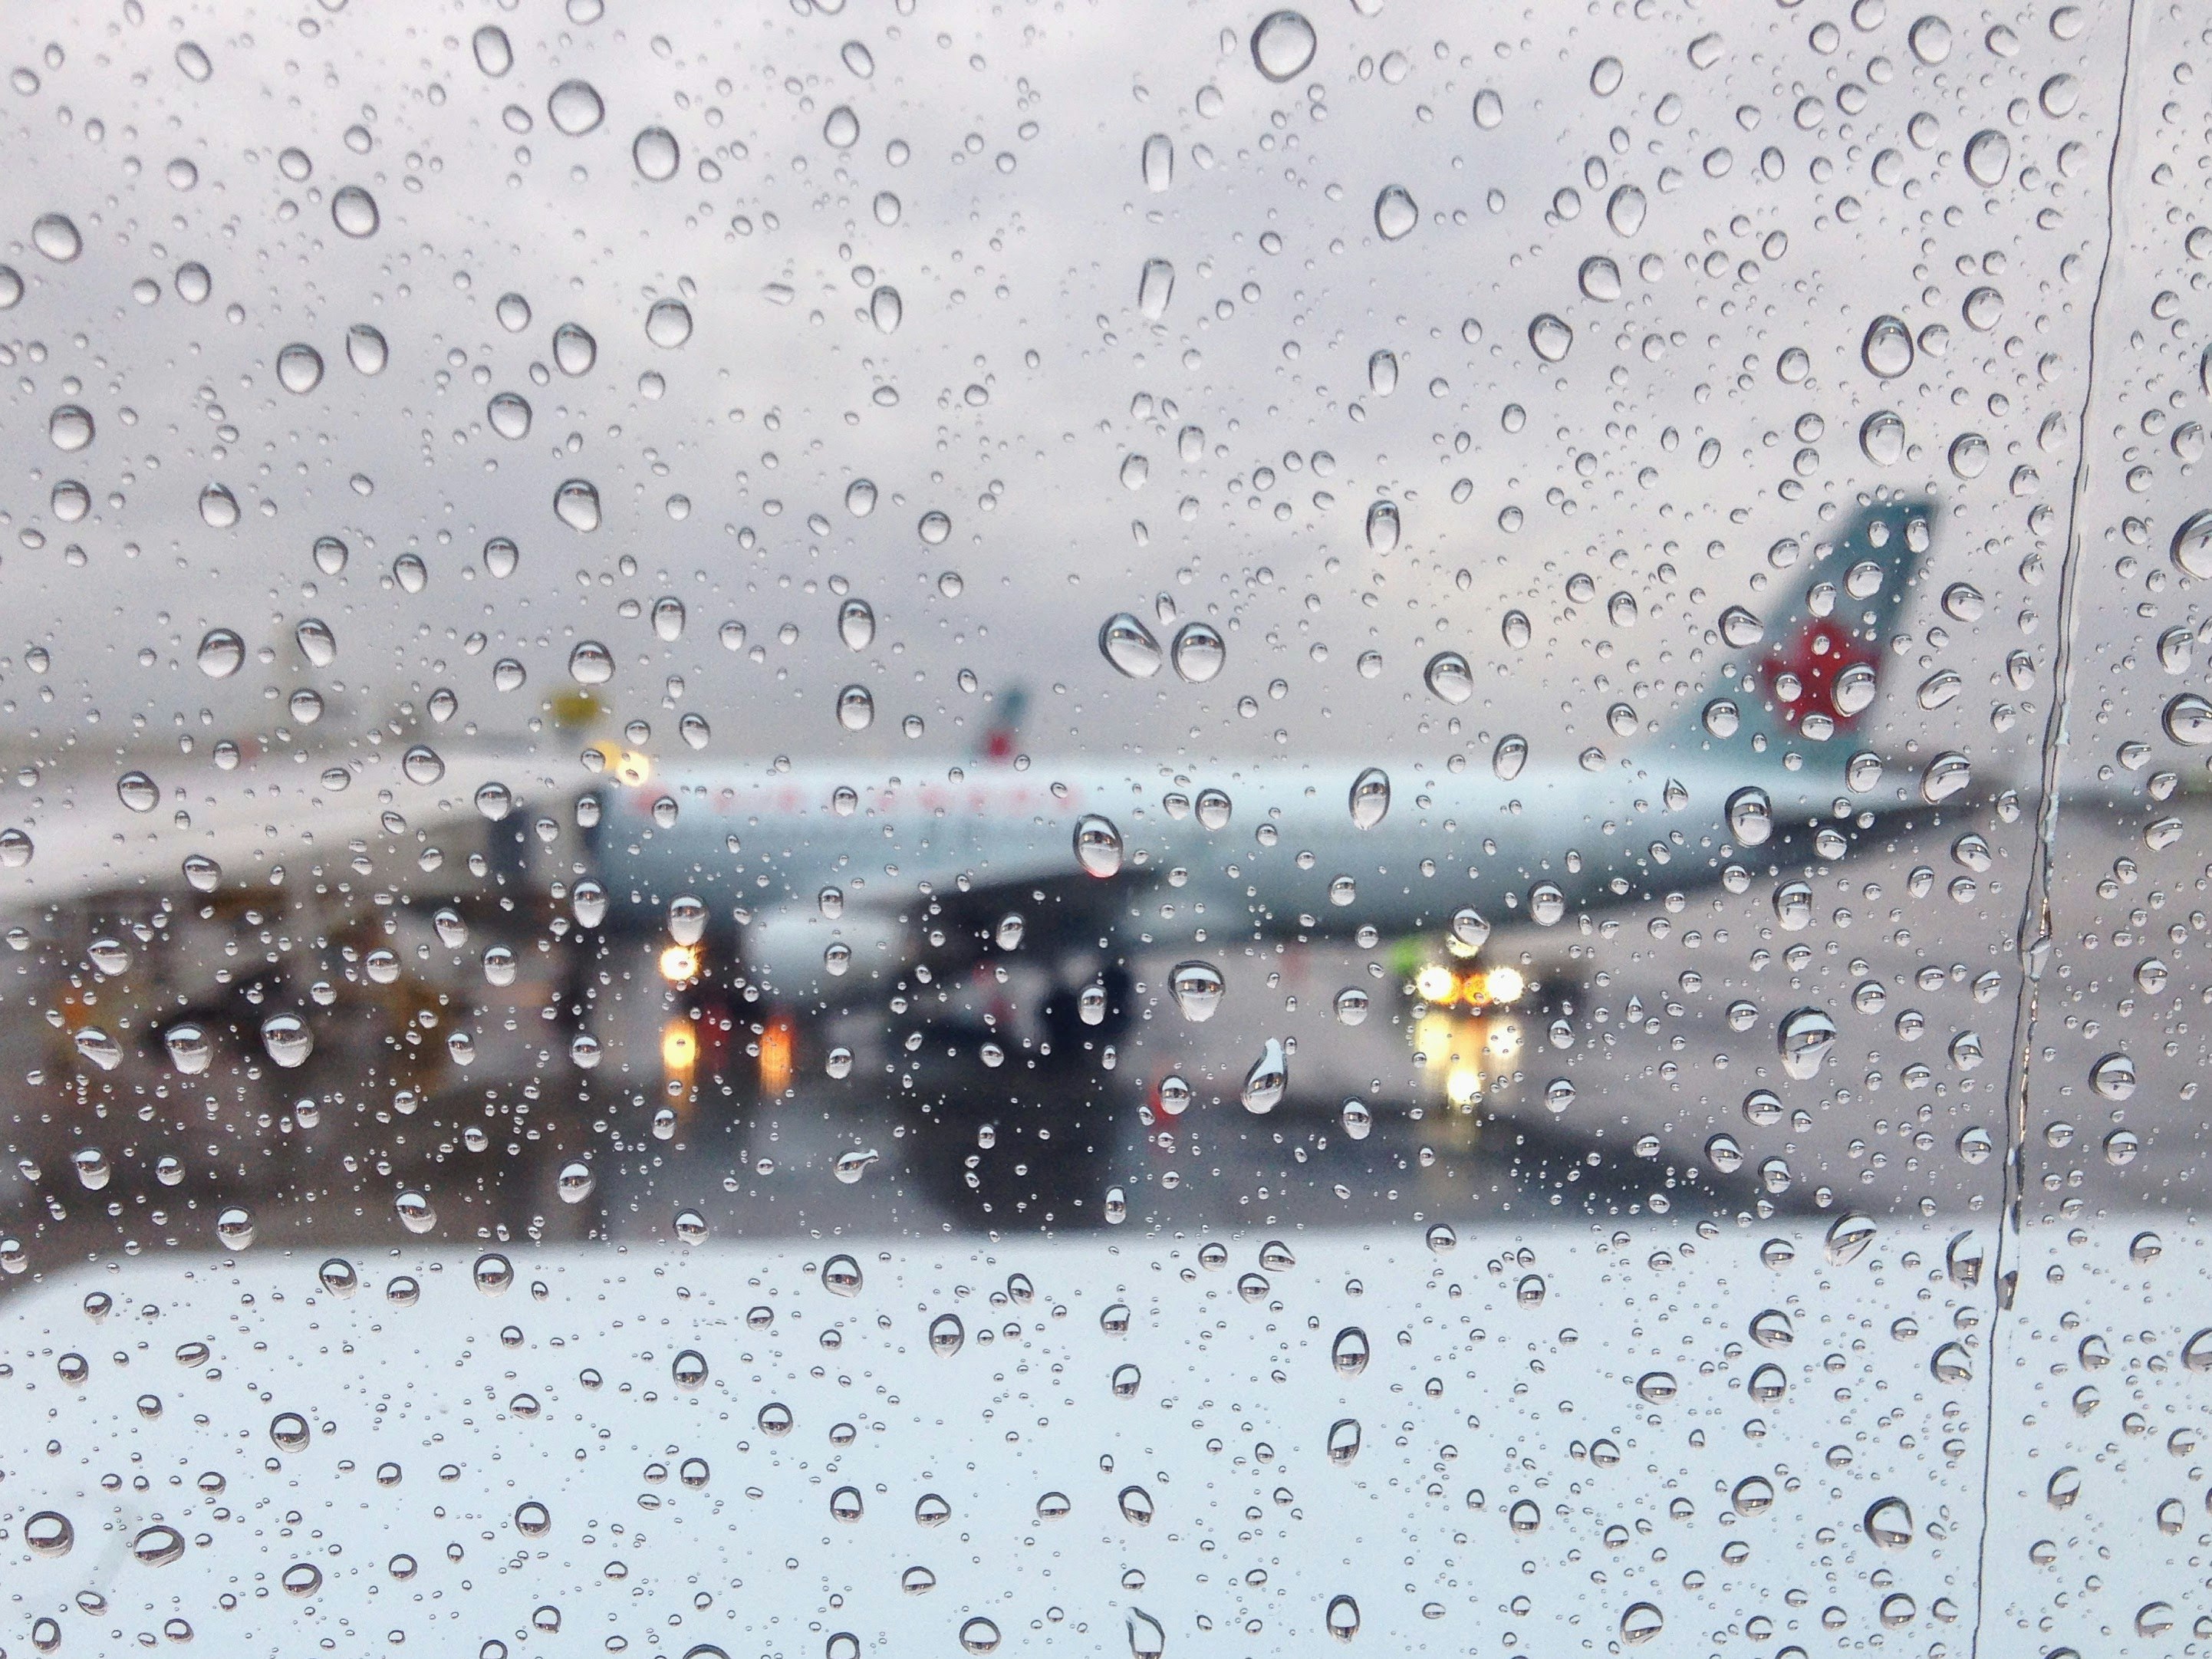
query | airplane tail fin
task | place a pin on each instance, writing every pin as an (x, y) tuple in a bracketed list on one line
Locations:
[(1806, 679), (1003, 737)]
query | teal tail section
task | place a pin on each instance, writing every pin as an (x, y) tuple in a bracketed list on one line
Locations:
[(1805, 680)]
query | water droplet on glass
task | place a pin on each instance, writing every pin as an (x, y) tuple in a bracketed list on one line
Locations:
[(1550, 338), (2113, 1077), (1155, 287), (157, 1547), (1370, 798), (1599, 279), (1848, 1237), (1951, 1365), (508, 415), (1267, 1080), (1199, 652), (235, 1227), (287, 1039), (2191, 547), (979, 1634), (218, 507), (1804, 1037), (1750, 816), (1127, 643), (56, 236), (841, 128), (300, 368), (946, 1335), (1625, 210), (590, 663), (1342, 1618), (1343, 1442), (1881, 438), (1930, 40), (1640, 1623), (366, 349), (495, 55), (1197, 988), (576, 504), (1989, 157), (1097, 846), (1382, 373), (353, 211), (1511, 755), (856, 709), (1448, 677), (1158, 161), (1395, 214), (422, 764), (1889, 1524), (656, 155), (1383, 526), (190, 1050), (575, 1183), (1887, 349), (575, 107), (137, 792), (69, 428), (2188, 720), (574, 349), (1283, 45), (221, 653)]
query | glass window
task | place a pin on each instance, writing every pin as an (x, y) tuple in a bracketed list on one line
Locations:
[(870, 826)]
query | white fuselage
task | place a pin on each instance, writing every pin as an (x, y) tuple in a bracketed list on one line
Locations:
[(1549, 841)]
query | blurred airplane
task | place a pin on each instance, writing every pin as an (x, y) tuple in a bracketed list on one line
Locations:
[(815, 894)]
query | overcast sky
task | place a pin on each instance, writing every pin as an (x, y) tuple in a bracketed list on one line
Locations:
[(1663, 456)]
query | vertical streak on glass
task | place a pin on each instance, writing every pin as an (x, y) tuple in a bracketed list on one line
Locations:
[(2034, 937)]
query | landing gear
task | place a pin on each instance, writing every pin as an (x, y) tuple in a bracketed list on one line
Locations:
[(1025, 1144)]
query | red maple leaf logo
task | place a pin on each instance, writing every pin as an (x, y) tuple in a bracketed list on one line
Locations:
[(1815, 656)]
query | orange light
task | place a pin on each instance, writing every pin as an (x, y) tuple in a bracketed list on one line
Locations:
[(679, 964), (679, 1047), (776, 1057), (632, 769)]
